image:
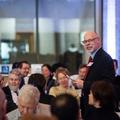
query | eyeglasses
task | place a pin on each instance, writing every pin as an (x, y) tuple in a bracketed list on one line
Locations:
[(89, 40)]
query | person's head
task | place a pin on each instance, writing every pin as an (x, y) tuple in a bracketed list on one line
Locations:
[(46, 70), (55, 66), (91, 41), (1, 81), (62, 77), (24, 67), (38, 80), (82, 71), (101, 94), (65, 107), (15, 65), (14, 79), (3, 103), (28, 99)]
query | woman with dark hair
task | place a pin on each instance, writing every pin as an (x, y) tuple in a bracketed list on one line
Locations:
[(101, 101), (39, 81), (47, 73)]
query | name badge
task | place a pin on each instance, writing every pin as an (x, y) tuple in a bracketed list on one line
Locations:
[(90, 64)]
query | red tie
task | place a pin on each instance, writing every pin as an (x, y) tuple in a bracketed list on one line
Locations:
[(89, 60)]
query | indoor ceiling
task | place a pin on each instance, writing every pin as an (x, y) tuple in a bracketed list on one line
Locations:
[(56, 9)]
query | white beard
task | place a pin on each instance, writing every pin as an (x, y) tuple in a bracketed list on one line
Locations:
[(14, 88)]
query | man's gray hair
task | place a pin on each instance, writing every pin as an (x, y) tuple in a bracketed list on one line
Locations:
[(17, 72), (29, 92)]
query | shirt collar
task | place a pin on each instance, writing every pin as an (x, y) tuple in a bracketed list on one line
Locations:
[(94, 53)]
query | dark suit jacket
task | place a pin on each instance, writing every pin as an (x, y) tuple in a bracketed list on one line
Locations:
[(103, 113), (102, 69), (46, 99), (22, 83), (10, 104), (49, 84)]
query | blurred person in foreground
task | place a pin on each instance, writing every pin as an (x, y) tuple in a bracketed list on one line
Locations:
[(3, 103), (102, 102), (28, 100), (65, 107), (100, 66), (2, 82), (37, 117)]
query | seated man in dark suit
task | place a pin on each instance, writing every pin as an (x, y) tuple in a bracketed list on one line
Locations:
[(11, 91), (28, 103), (24, 67)]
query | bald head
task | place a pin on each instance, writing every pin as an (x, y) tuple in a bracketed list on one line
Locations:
[(91, 34), (91, 42)]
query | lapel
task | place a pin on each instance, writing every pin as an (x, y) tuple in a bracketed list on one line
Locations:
[(95, 60), (7, 92), (98, 55)]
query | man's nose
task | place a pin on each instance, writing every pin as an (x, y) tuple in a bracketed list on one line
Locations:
[(25, 111)]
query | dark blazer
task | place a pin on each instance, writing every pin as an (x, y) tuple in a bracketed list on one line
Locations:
[(22, 83), (46, 99), (10, 104), (50, 83), (101, 69)]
